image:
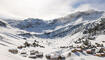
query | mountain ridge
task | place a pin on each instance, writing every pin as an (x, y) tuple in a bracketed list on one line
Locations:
[(76, 36), (60, 25)]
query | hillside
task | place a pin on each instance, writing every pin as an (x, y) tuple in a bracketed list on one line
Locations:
[(79, 35)]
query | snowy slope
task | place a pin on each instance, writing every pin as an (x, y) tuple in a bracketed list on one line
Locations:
[(57, 36), (58, 27)]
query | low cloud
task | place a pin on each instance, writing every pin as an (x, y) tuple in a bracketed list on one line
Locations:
[(90, 4), (46, 9)]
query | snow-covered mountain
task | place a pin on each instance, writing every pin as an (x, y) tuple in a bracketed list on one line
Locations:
[(60, 27), (80, 31)]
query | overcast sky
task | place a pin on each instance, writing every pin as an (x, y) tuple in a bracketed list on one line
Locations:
[(46, 9)]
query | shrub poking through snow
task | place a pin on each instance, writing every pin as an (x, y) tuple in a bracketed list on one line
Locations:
[(86, 42), (55, 56), (40, 54), (27, 44), (101, 50), (24, 54), (14, 51), (103, 54), (34, 44), (20, 47), (74, 50), (32, 55), (90, 51), (61, 57), (78, 41), (48, 56), (97, 54), (35, 54), (99, 45), (79, 50), (100, 54)]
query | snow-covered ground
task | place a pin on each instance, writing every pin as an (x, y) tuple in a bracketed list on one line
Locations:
[(50, 35)]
